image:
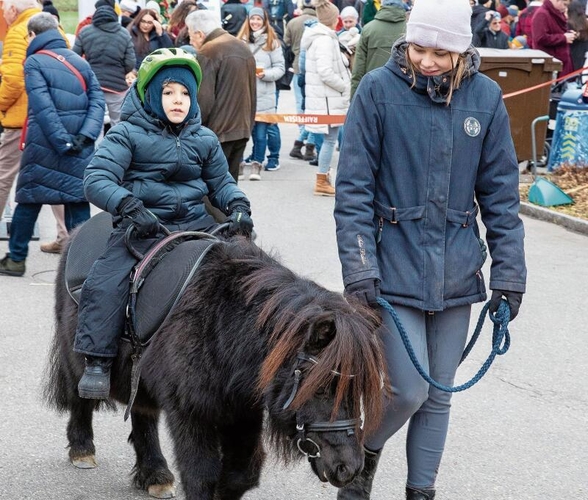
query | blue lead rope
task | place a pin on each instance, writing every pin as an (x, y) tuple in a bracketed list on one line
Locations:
[(500, 343)]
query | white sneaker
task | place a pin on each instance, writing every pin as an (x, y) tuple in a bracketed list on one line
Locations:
[(255, 174)]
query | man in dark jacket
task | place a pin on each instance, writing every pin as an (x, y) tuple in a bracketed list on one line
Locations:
[(233, 15), (227, 96), (63, 123), (489, 33), (479, 12), (377, 38), (108, 47)]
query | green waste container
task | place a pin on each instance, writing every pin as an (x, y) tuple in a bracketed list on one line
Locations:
[(516, 70)]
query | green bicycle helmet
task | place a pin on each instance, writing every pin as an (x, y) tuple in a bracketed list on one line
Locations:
[(165, 57)]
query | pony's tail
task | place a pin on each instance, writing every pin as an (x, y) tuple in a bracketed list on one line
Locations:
[(59, 386)]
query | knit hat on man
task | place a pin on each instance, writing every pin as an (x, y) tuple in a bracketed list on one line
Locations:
[(177, 74), (440, 24), (104, 3), (326, 12), (50, 8)]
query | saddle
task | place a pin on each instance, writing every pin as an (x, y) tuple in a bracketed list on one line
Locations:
[(157, 281)]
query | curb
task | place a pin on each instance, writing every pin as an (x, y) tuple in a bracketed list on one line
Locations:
[(572, 223)]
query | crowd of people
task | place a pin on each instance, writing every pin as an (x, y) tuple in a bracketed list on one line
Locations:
[(425, 146)]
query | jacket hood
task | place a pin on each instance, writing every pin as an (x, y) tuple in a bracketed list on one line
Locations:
[(50, 39), (391, 14), (132, 110), (316, 31), (106, 19), (437, 87)]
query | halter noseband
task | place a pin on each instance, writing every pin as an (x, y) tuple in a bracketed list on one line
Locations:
[(302, 428)]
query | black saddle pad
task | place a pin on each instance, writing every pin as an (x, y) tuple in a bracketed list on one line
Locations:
[(88, 243), (165, 284), (162, 286)]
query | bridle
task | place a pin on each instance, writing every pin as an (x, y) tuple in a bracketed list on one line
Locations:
[(302, 428)]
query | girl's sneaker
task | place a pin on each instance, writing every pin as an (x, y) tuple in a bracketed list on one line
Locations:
[(271, 166)]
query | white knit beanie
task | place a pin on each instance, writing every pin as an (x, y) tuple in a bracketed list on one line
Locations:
[(440, 24)]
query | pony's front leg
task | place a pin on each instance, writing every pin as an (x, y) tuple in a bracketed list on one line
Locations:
[(243, 457), (80, 435), (198, 457), (151, 471)]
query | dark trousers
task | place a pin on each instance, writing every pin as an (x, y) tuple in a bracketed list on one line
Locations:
[(101, 317), (23, 225), (233, 151)]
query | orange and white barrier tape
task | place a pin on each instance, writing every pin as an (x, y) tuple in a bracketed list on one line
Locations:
[(297, 119), (545, 84)]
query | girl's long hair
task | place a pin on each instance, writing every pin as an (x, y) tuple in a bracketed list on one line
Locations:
[(272, 41), (179, 15), (577, 19), (141, 44), (458, 72)]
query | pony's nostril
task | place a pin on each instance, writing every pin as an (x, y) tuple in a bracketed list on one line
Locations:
[(344, 473)]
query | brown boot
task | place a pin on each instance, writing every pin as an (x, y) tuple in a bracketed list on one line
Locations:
[(53, 247), (323, 186), (309, 152), (297, 150)]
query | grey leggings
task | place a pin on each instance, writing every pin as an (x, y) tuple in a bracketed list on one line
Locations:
[(438, 340)]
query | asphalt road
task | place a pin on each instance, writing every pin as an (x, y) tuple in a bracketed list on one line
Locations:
[(521, 433)]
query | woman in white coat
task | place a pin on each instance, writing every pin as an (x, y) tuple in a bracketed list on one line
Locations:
[(269, 61), (328, 84)]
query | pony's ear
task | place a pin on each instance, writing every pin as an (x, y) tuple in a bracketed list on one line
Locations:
[(320, 334)]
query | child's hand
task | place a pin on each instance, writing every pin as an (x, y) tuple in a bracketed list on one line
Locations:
[(145, 222), (239, 220)]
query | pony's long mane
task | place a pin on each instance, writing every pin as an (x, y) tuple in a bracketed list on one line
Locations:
[(291, 306)]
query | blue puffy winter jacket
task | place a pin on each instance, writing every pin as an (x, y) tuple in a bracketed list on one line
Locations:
[(169, 170), (58, 110)]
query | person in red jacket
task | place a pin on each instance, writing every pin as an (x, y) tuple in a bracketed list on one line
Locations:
[(525, 24), (551, 34)]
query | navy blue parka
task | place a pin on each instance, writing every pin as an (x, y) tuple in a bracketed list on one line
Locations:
[(413, 175), (58, 110), (169, 169)]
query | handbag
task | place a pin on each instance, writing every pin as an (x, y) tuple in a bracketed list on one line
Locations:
[(69, 66)]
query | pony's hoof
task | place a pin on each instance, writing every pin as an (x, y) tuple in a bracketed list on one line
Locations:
[(87, 462), (162, 491)]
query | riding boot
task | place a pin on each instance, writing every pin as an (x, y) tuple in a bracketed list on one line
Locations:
[(309, 152), (414, 494), (297, 150), (361, 487), (95, 383)]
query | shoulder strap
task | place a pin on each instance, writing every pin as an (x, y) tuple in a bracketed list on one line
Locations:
[(67, 64)]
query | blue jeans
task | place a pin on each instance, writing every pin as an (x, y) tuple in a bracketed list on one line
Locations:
[(326, 152), (274, 143), (23, 225), (259, 136)]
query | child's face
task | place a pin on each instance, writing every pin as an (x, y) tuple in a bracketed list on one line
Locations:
[(430, 61), (175, 100), (349, 22)]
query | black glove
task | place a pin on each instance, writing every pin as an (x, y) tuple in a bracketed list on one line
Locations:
[(78, 143), (514, 300), (366, 291), (239, 219), (145, 222)]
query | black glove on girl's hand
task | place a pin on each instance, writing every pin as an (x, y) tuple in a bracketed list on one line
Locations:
[(78, 143), (239, 219), (514, 300), (366, 291), (145, 222)]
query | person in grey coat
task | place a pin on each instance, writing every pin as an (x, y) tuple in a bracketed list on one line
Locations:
[(109, 50), (427, 147)]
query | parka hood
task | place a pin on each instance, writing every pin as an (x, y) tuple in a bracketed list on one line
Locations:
[(436, 86)]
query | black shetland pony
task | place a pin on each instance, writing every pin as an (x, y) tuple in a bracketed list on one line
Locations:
[(248, 337)]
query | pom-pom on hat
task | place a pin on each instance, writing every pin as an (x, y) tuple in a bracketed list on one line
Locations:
[(50, 8), (326, 12), (257, 11), (440, 24)]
